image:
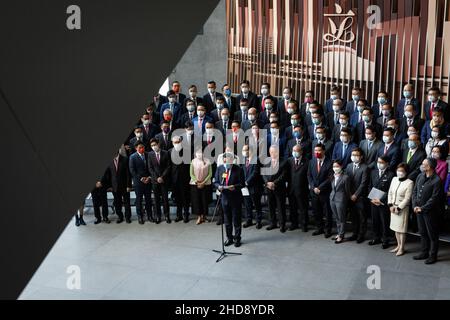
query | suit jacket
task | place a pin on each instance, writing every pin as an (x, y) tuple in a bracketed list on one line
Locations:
[(235, 179), (341, 191), (417, 122), (196, 100), (251, 97), (278, 178), (381, 183), (196, 128), (119, 179), (414, 163), (185, 118), (359, 180), (219, 126), (153, 130), (337, 153), (351, 107), (138, 167), (247, 124), (428, 194), (252, 177), (134, 140), (329, 145), (329, 105), (209, 103), (370, 155), (179, 173), (312, 132), (161, 169), (380, 120), (305, 144), (360, 132), (393, 154), (297, 177), (232, 105), (162, 143), (401, 107), (320, 180), (281, 143), (331, 121), (177, 109), (264, 118), (336, 134), (442, 104), (159, 101)]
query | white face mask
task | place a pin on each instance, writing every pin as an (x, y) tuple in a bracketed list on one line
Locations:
[(286, 96), (320, 136), (344, 139), (434, 134), (264, 92), (356, 159), (156, 149), (337, 170), (343, 122), (177, 147), (139, 135), (336, 108), (190, 132), (401, 174), (369, 137), (436, 155), (408, 114), (274, 131), (381, 166), (386, 139), (209, 131), (146, 122), (251, 117), (193, 94), (211, 90), (201, 113), (190, 107), (245, 90)]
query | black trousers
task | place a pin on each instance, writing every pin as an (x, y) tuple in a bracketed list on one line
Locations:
[(143, 191), (181, 193), (359, 218), (99, 200), (161, 193), (429, 233), (381, 219), (122, 199), (199, 199), (277, 207), (298, 210), (232, 213), (250, 202), (322, 209)]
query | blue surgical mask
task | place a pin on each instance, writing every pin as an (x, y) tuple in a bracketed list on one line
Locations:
[(297, 135), (316, 121), (407, 94), (412, 145), (382, 101), (227, 92), (355, 98)]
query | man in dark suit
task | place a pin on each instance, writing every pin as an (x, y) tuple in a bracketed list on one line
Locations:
[(370, 147), (230, 101), (179, 177), (332, 118), (381, 178), (408, 99), (254, 184), (220, 105), (382, 99), (200, 121), (411, 118), (358, 173), (141, 182), (357, 117), (209, 99), (352, 105), (390, 149), (275, 137), (387, 113), (265, 94), (189, 114), (159, 169), (139, 136), (344, 122), (398, 136), (99, 199), (414, 156), (318, 120), (428, 205), (297, 177), (119, 177), (321, 138), (434, 101), (343, 149), (242, 114), (229, 180), (368, 120), (283, 103), (298, 139), (270, 105), (193, 92), (304, 108), (225, 123), (295, 121), (159, 100), (335, 94), (285, 116), (164, 137), (274, 176), (319, 173), (179, 97), (437, 120), (172, 105), (149, 129), (251, 120), (251, 97)]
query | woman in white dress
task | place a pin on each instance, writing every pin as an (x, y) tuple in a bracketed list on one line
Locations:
[(399, 198)]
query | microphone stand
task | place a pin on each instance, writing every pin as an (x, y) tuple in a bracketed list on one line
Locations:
[(222, 252)]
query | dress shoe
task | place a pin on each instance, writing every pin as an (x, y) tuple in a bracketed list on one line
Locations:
[(431, 260), (106, 220), (120, 220), (374, 242), (259, 225), (128, 220), (271, 227), (218, 222), (97, 221), (228, 243), (248, 224), (328, 234), (360, 240), (141, 221), (150, 219), (237, 244), (283, 229), (352, 238), (178, 219), (293, 227), (82, 221), (185, 219), (168, 220), (158, 220), (317, 232), (422, 256), (385, 245), (77, 221)]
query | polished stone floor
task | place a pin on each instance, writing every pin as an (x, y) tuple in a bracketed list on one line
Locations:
[(176, 262)]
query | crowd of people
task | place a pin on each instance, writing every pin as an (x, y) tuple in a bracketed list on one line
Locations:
[(343, 159)]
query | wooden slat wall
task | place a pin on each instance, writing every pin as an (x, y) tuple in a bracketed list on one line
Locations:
[(282, 42)]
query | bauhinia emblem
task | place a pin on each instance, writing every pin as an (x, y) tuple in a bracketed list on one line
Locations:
[(344, 33)]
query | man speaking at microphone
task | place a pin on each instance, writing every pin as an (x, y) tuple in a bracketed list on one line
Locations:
[(229, 180)]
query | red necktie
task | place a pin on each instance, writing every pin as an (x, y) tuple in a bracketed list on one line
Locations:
[(228, 175), (263, 104), (433, 105), (386, 148), (209, 140), (235, 139)]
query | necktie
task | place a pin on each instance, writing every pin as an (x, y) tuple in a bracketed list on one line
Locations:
[(235, 139), (213, 99), (157, 157), (178, 97), (227, 178), (286, 103), (143, 158), (318, 166), (354, 168), (336, 118), (171, 107), (433, 105), (165, 139), (369, 145), (146, 129), (209, 140), (200, 121), (409, 122), (190, 116), (247, 163), (225, 126), (408, 158), (344, 148), (386, 148), (384, 121), (296, 163), (245, 116)]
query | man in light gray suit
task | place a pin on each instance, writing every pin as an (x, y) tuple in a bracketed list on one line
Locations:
[(358, 173), (370, 146)]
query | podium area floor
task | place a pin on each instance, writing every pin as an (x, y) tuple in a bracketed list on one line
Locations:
[(175, 261)]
